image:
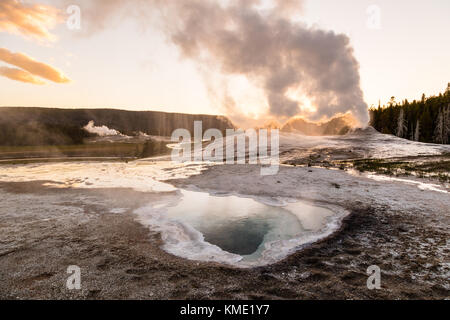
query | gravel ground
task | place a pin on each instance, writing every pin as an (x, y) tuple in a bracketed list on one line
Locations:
[(44, 230)]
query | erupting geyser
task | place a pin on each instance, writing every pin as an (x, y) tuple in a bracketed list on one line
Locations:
[(300, 70)]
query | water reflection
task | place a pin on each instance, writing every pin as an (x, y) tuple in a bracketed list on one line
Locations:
[(244, 226)]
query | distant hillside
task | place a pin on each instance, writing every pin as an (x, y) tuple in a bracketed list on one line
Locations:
[(427, 120), (45, 126), (336, 126)]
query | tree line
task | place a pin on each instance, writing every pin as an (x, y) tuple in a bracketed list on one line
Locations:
[(427, 120)]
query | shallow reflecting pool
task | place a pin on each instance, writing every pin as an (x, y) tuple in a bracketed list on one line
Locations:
[(234, 229)]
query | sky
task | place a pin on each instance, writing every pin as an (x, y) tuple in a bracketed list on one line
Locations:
[(129, 63)]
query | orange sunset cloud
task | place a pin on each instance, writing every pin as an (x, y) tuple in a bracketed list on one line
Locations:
[(32, 66), (19, 75), (30, 21)]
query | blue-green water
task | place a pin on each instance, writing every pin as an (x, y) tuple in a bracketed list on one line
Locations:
[(242, 225)]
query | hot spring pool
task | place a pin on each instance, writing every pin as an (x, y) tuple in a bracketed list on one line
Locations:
[(236, 230)]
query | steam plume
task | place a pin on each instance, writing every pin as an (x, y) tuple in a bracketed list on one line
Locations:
[(101, 131), (292, 64)]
